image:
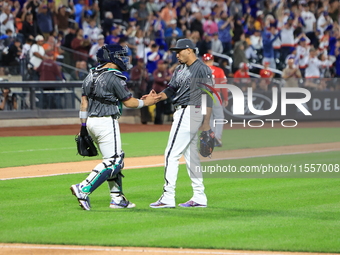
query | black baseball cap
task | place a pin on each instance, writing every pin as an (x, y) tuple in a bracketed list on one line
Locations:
[(183, 44)]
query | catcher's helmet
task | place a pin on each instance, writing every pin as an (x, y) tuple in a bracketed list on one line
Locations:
[(115, 54), (207, 57)]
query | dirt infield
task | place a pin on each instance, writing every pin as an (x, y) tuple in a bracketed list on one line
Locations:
[(36, 249), (64, 168)]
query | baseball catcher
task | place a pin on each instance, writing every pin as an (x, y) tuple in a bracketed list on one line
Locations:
[(85, 145), (103, 91), (207, 143)]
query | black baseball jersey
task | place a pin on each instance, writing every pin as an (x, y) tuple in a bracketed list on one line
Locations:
[(188, 84), (105, 88)]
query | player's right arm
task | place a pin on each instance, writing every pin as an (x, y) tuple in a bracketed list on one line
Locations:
[(138, 103)]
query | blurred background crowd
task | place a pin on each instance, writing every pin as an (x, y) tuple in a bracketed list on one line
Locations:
[(271, 39)]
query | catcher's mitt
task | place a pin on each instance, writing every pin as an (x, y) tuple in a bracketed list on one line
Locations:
[(85, 145), (207, 143)]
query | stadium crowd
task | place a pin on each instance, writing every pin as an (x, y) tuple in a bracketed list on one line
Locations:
[(290, 39)]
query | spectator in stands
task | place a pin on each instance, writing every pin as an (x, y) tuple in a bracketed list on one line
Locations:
[(152, 6), (139, 76), (183, 19), (107, 23), (256, 41), (196, 24), (236, 8), (168, 13), (216, 44), (49, 70), (171, 28), (8, 38), (259, 21), (8, 101), (324, 42), (6, 19), (239, 53), (204, 46), (325, 63), (291, 74), (114, 37), (302, 52), (79, 9), (26, 48), (131, 31), (92, 31), (249, 26), (266, 73), (63, 15), (309, 20), (143, 15), (335, 34), (81, 46), (140, 44), (12, 58), (30, 27), (324, 22), (210, 25), (36, 56), (194, 36), (224, 65), (238, 28), (45, 20), (333, 10), (152, 58), (95, 47), (241, 76), (71, 34), (161, 77), (312, 73), (287, 36), (225, 25), (268, 39), (81, 72), (50, 47)]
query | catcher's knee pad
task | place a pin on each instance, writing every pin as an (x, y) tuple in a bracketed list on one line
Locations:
[(109, 168)]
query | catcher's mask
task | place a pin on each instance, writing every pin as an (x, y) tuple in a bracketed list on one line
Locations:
[(115, 54)]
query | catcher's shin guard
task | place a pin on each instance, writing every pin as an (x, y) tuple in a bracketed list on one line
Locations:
[(116, 185), (102, 172)]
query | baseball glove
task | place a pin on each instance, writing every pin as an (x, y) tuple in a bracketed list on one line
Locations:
[(207, 143), (85, 145)]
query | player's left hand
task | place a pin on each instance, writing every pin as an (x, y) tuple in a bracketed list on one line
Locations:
[(205, 127), (225, 103)]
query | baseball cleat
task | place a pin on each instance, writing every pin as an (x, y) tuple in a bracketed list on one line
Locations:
[(83, 199), (159, 204), (191, 204), (123, 203), (114, 205)]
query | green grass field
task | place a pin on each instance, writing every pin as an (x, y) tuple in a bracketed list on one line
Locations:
[(282, 214), (52, 149)]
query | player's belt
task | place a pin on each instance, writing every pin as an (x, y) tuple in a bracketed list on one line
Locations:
[(185, 106)]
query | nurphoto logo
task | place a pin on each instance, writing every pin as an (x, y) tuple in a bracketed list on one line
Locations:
[(240, 103)]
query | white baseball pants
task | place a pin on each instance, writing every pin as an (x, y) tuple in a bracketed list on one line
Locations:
[(183, 140)]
